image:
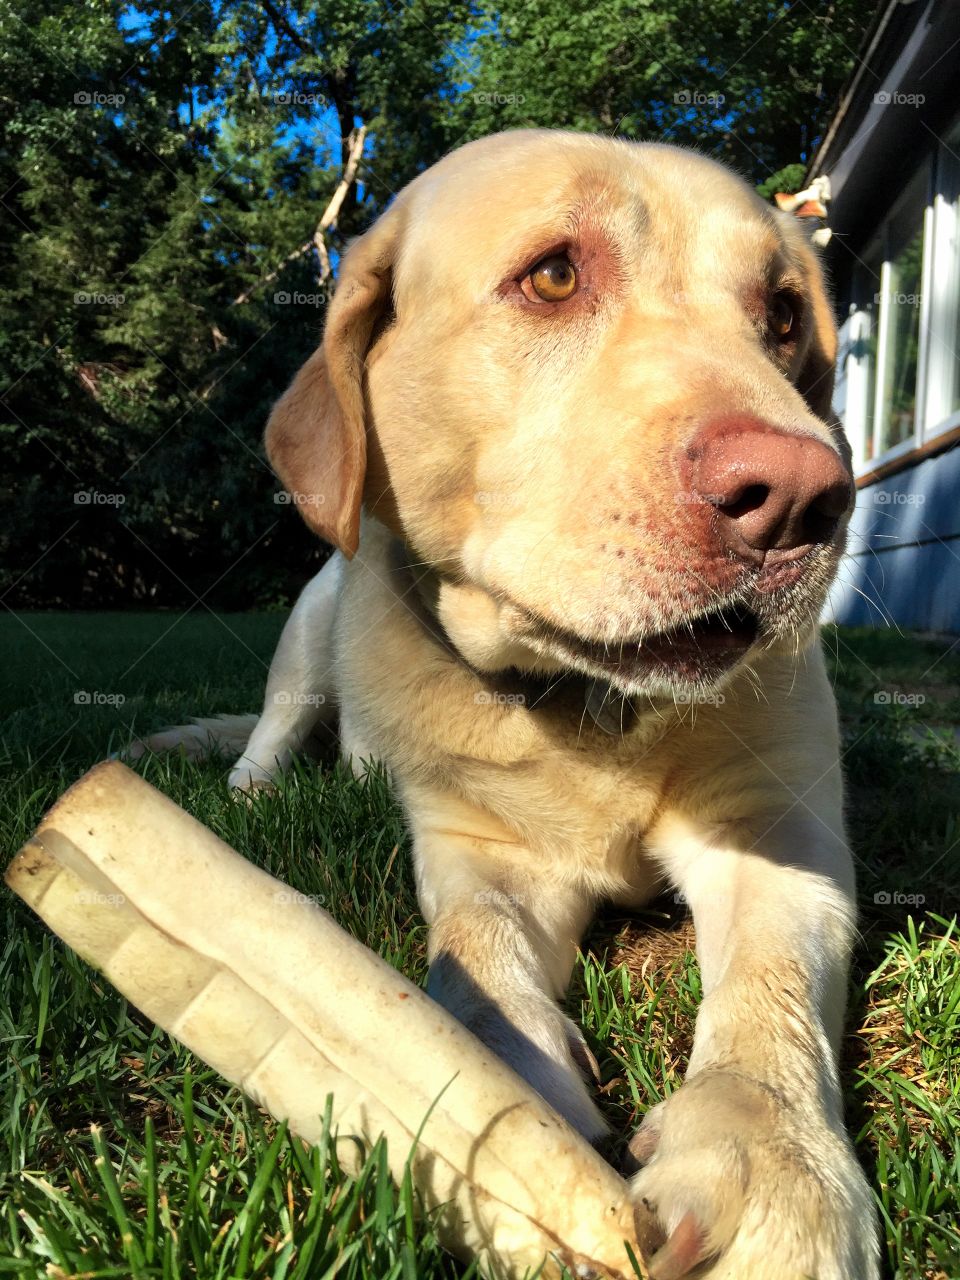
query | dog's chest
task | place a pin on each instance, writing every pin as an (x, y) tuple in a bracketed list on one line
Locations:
[(581, 784)]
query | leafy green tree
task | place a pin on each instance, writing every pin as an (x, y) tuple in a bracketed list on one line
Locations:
[(751, 83), (164, 270), (788, 179), (160, 284)]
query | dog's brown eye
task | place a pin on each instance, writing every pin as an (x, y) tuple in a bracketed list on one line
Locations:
[(554, 279), (783, 314)]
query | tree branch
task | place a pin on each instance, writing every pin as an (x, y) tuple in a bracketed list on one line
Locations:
[(332, 211), (327, 219), (282, 23)]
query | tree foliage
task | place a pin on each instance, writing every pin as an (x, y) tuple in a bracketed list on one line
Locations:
[(162, 179)]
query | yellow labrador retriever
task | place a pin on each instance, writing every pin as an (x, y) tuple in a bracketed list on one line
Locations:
[(581, 389)]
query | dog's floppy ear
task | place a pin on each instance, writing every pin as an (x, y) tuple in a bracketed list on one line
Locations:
[(815, 376), (316, 434)]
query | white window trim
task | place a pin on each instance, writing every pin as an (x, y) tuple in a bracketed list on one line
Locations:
[(927, 278), (857, 386), (882, 364), (944, 306)]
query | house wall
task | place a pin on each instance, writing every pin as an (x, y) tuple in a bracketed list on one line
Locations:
[(896, 177), (904, 551)]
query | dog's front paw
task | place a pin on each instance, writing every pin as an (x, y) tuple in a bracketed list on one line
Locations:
[(246, 778), (742, 1185)]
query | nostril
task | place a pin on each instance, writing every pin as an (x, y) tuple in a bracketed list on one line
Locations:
[(818, 526), (823, 512), (752, 498)]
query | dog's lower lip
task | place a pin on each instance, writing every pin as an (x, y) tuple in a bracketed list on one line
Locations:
[(733, 628), (706, 645)]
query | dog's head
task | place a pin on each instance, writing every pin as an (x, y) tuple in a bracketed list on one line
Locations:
[(588, 382)]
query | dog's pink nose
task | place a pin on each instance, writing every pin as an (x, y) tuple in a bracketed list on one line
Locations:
[(774, 494)]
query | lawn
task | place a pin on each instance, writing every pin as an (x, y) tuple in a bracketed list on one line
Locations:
[(122, 1155)]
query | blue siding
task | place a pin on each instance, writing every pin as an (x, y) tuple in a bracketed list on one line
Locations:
[(904, 551)]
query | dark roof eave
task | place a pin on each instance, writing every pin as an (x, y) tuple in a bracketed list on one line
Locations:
[(848, 94)]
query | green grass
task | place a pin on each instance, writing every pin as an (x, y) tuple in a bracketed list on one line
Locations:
[(122, 1155)]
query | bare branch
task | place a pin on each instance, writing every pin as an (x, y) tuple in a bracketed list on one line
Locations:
[(327, 220), (332, 211)]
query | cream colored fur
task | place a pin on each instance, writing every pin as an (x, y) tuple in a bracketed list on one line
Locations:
[(510, 466)]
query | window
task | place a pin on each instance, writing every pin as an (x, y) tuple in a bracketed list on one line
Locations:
[(886, 328), (940, 380), (900, 379), (864, 329), (900, 297), (948, 220)]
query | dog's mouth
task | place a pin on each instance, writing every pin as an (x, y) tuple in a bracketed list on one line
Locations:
[(698, 651)]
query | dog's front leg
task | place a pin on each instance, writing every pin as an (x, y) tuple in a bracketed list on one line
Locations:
[(749, 1163), (300, 686), (503, 940)]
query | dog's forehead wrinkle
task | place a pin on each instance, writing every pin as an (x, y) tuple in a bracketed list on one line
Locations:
[(590, 180)]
